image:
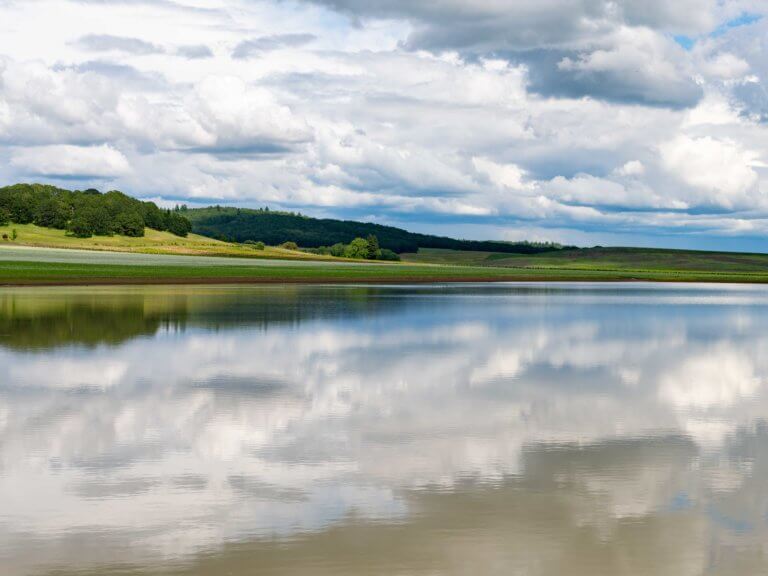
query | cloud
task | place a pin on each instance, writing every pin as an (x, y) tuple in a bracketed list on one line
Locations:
[(75, 162), (635, 66), (467, 118), (194, 51), (256, 46), (604, 49), (506, 176), (107, 43), (241, 118), (723, 169), (631, 168)]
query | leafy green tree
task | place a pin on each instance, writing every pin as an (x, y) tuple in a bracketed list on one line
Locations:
[(338, 250), (176, 224), (129, 223), (373, 247), (358, 248), (80, 227), (23, 208), (153, 216), (99, 219), (52, 213), (5, 217)]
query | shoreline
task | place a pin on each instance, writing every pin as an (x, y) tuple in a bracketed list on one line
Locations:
[(203, 281)]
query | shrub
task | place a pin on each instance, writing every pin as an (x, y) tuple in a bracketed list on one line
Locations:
[(14, 234), (289, 245), (259, 246), (387, 254)]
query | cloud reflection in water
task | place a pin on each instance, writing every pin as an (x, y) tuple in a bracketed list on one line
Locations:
[(521, 427)]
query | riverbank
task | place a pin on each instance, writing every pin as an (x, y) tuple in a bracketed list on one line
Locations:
[(21, 266), (20, 273)]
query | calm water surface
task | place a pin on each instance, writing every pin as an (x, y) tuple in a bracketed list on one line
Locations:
[(501, 429)]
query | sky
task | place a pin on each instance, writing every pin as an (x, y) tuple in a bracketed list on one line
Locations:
[(632, 122)]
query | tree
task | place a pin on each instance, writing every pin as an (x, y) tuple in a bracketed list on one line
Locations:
[(373, 247), (52, 213), (289, 245), (130, 224), (5, 217), (99, 220), (80, 227), (338, 250), (358, 248), (177, 224), (153, 216), (23, 208)]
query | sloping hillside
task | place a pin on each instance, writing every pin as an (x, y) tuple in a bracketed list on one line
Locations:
[(274, 228)]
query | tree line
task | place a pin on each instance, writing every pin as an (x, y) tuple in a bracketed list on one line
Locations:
[(274, 228), (360, 248), (85, 213)]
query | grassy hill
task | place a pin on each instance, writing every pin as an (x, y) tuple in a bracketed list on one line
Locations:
[(602, 259), (274, 228), (153, 242)]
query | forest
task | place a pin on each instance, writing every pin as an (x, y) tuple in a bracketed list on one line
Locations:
[(274, 228), (86, 213)]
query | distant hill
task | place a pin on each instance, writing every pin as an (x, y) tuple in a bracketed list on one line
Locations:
[(274, 228)]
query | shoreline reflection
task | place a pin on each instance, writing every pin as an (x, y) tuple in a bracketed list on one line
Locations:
[(343, 430)]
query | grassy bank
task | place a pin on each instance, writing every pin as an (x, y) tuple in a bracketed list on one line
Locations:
[(634, 260), (23, 266), (154, 242), (50, 269)]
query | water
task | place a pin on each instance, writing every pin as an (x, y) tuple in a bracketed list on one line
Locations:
[(501, 429)]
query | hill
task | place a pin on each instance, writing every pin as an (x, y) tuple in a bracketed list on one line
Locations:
[(633, 260), (152, 242), (86, 213), (274, 228)]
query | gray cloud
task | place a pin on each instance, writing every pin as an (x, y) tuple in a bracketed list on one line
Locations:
[(255, 46), (545, 35), (194, 52), (495, 116), (749, 43), (109, 43), (563, 74)]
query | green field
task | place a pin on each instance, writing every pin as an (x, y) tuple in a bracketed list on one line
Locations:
[(39, 266), (153, 242), (634, 260)]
